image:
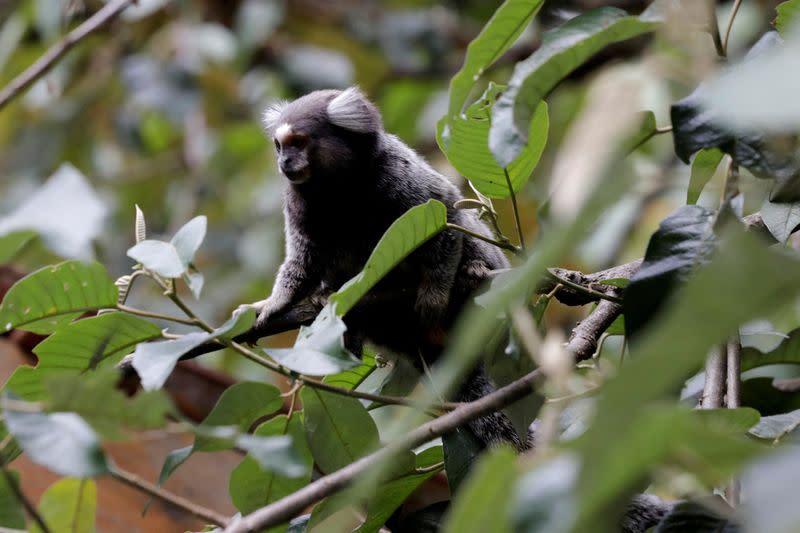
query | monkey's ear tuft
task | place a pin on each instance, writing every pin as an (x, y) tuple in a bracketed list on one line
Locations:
[(272, 114), (352, 111)]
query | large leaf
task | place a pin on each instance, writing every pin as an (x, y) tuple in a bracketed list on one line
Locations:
[(788, 17), (738, 123), (338, 428), (79, 346), (66, 212), (319, 349), (154, 361), (13, 243), (704, 165), (671, 352), (467, 149), (544, 498), (771, 505), (159, 257), (252, 487), (787, 352), (393, 493), (683, 240), (563, 50), (405, 235), (55, 295), (240, 405), (69, 505), (62, 442), (11, 514), (461, 450), (484, 501), (506, 25), (776, 427), (781, 218)]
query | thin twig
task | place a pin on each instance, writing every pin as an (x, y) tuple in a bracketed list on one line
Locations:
[(134, 481), (734, 10), (732, 401), (504, 245), (516, 209), (159, 316), (656, 131), (56, 52), (26, 503), (289, 506), (713, 29)]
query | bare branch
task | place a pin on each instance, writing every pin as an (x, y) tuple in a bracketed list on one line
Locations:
[(568, 295), (57, 51), (584, 338), (134, 481), (714, 385), (291, 505)]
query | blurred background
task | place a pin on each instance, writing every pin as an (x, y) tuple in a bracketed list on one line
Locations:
[(161, 109)]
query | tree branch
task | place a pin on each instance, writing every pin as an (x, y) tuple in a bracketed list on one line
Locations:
[(291, 505), (137, 483), (56, 52), (584, 338), (714, 385)]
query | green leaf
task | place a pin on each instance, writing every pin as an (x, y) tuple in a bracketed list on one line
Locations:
[(684, 240), (339, 429), (62, 442), (738, 420), (781, 218), (273, 453), (188, 239), (69, 505), (240, 405), (11, 515), (673, 349), (787, 352), (393, 493), (154, 361), (563, 50), (79, 346), (159, 257), (484, 501), (704, 165), (788, 17), (55, 295), (174, 459), (95, 397), (252, 487), (776, 427), (13, 243), (405, 235), (506, 25), (350, 379), (461, 450), (646, 130), (545, 496), (468, 151), (319, 349)]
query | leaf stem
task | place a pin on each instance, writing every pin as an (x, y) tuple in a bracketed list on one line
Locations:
[(516, 210), (134, 481), (734, 10), (504, 245), (26, 503), (159, 316)]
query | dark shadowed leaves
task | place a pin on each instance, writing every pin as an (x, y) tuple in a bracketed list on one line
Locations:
[(461, 450), (683, 240), (697, 518)]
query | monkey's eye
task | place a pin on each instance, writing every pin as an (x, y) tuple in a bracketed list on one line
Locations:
[(277, 145)]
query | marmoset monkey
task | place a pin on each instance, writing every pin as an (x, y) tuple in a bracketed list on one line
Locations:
[(348, 181)]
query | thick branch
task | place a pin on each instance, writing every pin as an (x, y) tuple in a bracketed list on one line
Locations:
[(56, 52), (291, 505), (715, 375), (584, 338)]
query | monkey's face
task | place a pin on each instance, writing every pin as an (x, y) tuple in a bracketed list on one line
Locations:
[(293, 153)]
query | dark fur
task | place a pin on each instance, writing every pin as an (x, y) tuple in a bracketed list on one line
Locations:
[(360, 183)]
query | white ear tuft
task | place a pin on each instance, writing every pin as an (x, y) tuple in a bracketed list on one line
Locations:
[(352, 111), (272, 114)]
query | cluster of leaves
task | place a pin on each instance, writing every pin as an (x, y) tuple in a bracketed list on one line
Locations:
[(615, 426)]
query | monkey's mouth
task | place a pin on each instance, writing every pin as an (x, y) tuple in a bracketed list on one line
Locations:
[(297, 176)]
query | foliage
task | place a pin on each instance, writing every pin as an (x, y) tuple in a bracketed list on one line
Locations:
[(535, 105)]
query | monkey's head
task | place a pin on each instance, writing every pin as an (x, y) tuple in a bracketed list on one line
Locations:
[(323, 135)]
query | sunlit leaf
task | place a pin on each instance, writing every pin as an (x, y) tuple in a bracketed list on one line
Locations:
[(562, 50), (704, 165), (55, 295), (777, 426), (69, 505), (788, 17), (189, 238), (160, 257)]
